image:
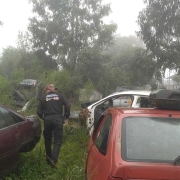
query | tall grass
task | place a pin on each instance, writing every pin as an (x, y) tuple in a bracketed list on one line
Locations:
[(70, 165)]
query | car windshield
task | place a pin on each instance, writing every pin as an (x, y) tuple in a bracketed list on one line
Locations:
[(150, 139)]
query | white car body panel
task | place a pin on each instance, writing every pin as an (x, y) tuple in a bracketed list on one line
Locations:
[(121, 102)]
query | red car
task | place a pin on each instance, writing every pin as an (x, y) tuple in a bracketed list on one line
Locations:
[(135, 144), (17, 134)]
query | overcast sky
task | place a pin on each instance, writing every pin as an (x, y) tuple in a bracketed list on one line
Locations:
[(15, 13)]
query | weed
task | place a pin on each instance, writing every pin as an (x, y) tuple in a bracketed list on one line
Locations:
[(70, 165)]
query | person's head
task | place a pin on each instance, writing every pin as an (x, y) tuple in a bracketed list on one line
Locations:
[(50, 88)]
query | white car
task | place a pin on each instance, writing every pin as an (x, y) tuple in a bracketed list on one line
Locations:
[(130, 98)]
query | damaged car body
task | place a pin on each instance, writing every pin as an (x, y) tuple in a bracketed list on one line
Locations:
[(25, 91), (18, 134)]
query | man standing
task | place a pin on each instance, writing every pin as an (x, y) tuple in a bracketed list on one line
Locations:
[(50, 109)]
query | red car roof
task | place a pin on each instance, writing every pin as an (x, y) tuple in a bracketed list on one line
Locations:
[(146, 111)]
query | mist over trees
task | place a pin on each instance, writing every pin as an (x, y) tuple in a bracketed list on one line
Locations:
[(65, 29), (67, 43), (160, 31)]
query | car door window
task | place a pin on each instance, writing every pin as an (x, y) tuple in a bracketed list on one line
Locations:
[(123, 101), (7, 117), (143, 102), (2, 121), (97, 124), (17, 118), (102, 139)]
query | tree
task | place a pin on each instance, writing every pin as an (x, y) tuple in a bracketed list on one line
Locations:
[(63, 29), (160, 31), (87, 92), (33, 61), (130, 62), (91, 65), (23, 64), (6, 89), (123, 50), (60, 79), (9, 62), (143, 68), (114, 76), (176, 78)]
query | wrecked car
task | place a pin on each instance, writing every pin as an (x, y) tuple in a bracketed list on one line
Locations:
[(25, 91), (17, 134)]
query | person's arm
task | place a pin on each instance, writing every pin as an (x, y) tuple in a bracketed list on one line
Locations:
[(67, 107), (39, 110)]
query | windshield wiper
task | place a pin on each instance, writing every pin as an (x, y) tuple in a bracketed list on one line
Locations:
[(177, 161)]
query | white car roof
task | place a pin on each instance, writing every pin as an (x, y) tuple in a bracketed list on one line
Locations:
[(128, 92)]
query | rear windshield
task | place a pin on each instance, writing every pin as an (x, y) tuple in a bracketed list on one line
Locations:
[(150, 139)]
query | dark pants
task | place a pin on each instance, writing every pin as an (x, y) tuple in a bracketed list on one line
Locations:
[(53, 129)]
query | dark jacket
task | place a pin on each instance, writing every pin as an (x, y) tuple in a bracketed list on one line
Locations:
[(52, 104)]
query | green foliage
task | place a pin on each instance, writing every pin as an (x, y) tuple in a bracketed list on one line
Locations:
[(17, 76), (176, 78), (16, 60), (9, 62), (5, 89), (89, 85), (130, 64), (114, 76), (45, 61), (159, 29), (87, 91), (60, 79), (70, 165), (33, 61), (123, 49), (115, 67), (63, 29), (32, 65), (143, 68), (127, 59), (124, 64), (103, 87), (154, 85), (90, 65)]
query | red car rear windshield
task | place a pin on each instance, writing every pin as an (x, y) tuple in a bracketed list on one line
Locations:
[(150, 139)]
